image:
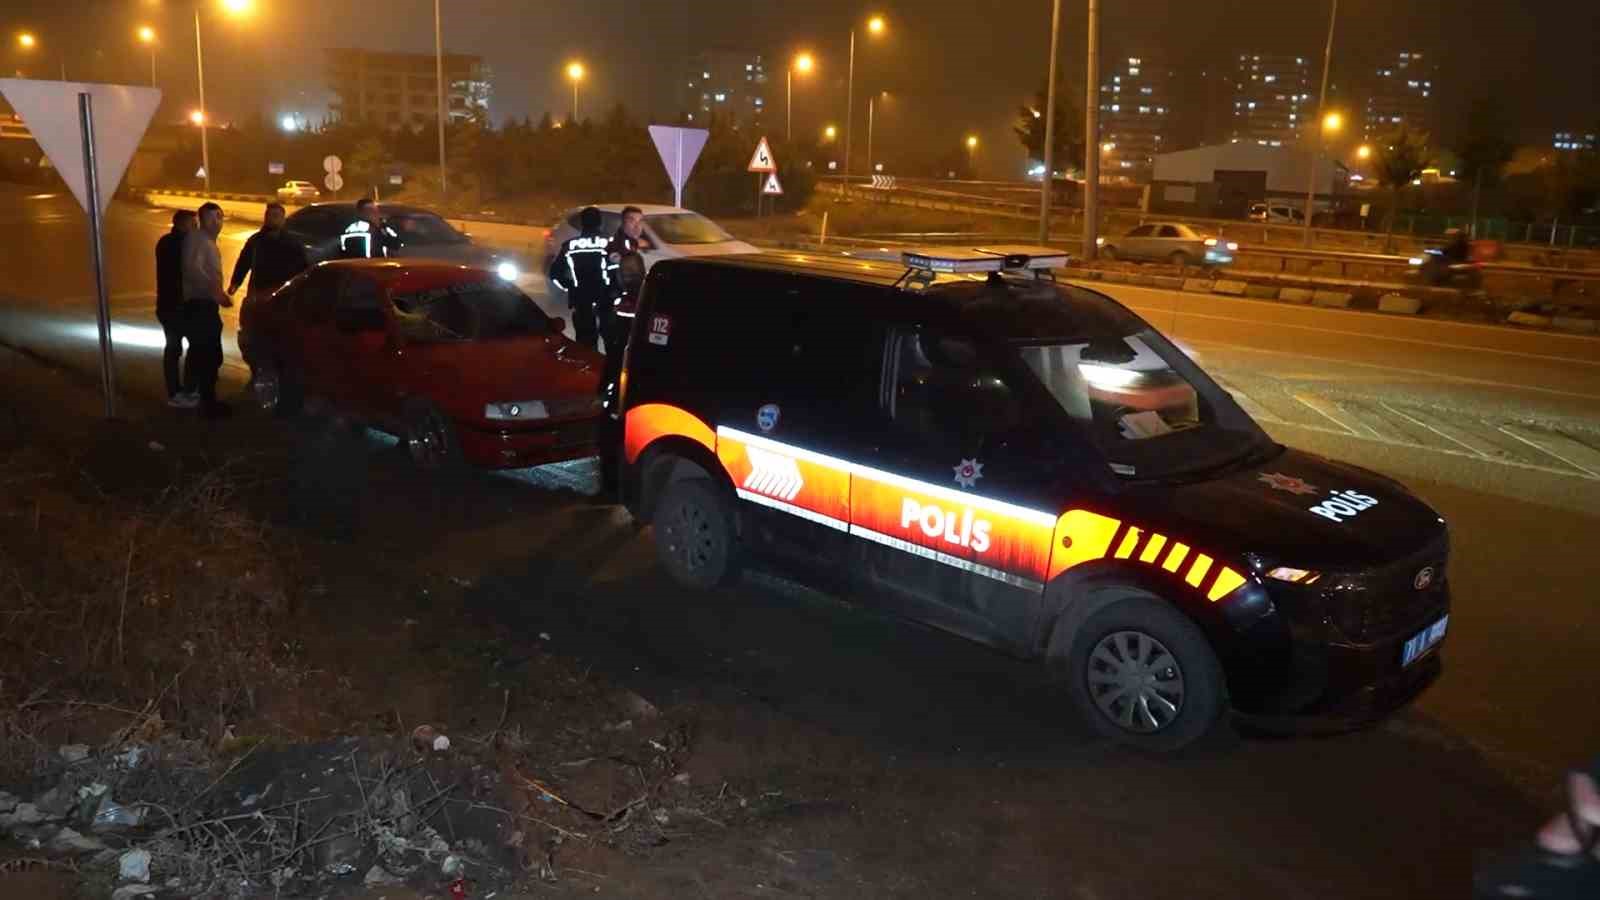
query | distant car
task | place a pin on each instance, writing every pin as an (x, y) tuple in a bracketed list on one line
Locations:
[(423, 234), (297, 192), (463, 367), (669, 232), (1277, 214), (1172, 242)]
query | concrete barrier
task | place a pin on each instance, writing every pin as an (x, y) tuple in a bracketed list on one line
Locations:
[(1142, 280), (1114, 277), (234, 206), (1261, 291), (1575, 324), (1331, 299), (1169, 282), (1229, 288), (1296, 295), (1531, 319), (1399, 304), (1198, 285)]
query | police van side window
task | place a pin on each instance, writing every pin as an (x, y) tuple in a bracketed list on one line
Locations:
[(944, 397)]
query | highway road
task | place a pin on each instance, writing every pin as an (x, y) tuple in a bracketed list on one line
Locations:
[(1500, 430)]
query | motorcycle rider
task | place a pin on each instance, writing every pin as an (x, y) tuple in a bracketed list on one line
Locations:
[(579, 269)]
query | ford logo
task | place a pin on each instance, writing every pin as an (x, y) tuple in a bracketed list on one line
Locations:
[(1424, 579)]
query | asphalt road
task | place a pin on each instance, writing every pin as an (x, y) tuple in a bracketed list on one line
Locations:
[(1497, 429)]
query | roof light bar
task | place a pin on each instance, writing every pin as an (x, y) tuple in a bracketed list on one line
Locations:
[(984, 259)]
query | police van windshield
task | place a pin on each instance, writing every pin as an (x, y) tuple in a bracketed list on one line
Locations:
[(687, 228), (469, 311), (1150, 410)]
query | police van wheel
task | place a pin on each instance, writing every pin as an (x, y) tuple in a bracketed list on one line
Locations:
[(695, 535), (1144, 675)]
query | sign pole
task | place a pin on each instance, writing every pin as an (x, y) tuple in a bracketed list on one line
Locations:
[(677, 176), (108, 375)]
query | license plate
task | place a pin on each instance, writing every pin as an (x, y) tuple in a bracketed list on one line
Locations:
[(1419, 644)]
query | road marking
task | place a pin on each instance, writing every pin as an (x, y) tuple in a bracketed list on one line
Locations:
[(1317, 405), (1569, 447), (1449, 437), (1532, 467)]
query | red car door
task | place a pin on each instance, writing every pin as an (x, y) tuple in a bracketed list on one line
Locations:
[(303, 343), (365, 347)]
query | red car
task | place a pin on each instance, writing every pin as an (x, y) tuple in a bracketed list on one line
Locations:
[(456, 361)]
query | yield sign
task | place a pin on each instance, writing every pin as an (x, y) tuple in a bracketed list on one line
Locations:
[(771, 186), (50, 110), (678, 148), (762, 160)]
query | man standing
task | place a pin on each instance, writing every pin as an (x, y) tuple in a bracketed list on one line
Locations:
[(270, 257), (580, 269), (169, 306), (369, 236), (202, 318), (625, 271)]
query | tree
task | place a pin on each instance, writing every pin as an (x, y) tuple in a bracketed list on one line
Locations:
[(369, 161), (1401, 156), (1068, 128), (1484, 150)]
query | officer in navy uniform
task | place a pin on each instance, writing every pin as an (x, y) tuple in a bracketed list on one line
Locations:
[(625, 266), (580, 269)]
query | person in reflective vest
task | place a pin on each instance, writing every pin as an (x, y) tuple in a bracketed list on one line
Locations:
[(625, 264), (580, 269), (369, 236)]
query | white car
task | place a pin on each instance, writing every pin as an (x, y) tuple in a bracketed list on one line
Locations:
[(669, 232), (297, 191)]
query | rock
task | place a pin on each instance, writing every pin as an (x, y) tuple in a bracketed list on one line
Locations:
[(68, 841), (134, 866), (1399, 304), (1198, 285), (130, 891), (8, 802), (1261, 291), (1532, 319), (378, 876), (1331, 299), (72, 753), (1229, 288), (23, 814), (1295, 295), (56, 803)]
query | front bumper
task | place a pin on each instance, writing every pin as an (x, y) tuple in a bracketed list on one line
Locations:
[(500, 448)]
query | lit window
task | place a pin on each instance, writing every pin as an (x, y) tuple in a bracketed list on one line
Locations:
[(705, 74), (1277, 143), (722, 98), (1143, 110), (1133, 70), (758, 101), (1162, 110), (1115, 107), (1117, 78), (749, 68), (1270, 78), (1252, 104)]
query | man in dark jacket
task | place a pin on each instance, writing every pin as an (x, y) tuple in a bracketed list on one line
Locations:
[(625, 267), (579, 268), (169, 306), (270, 257)]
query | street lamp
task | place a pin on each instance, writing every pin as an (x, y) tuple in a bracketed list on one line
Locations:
[(575, 74), (26, 41), (830, 132), (875, 27), (804, 63), (147, 36), (972, 154), (1363, 152), (200, 116), (1332, 122)]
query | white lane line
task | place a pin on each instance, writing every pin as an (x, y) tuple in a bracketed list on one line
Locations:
[(1542, 448), (1418, 422), (1317, 406), (1591, 361), (1412, 445)]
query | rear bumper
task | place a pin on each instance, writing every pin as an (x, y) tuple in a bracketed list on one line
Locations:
[(519, 448)]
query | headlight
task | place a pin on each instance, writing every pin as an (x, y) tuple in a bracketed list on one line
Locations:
[(1099, 242), (508, 271), (519, 410), (1211, 242), (1293, 575), (1232, 246)]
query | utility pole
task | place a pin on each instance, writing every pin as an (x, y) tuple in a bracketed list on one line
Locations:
[(444, 100), (1317, 146), (205, 114), (1091, 138), (849, 107), (1048, 183)]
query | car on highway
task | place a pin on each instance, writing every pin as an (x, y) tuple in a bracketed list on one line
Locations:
[(421, 234), (1171, 242), (1277, 213), (458, 363), (298, 192), (670, 232), (972, 445)]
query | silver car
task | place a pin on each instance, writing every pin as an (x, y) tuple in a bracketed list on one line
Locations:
[(1172, 242)]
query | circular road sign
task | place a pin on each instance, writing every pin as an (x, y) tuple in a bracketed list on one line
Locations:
[(334, 181), (332, 164)]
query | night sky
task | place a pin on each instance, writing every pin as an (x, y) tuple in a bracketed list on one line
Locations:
[(954, 66)]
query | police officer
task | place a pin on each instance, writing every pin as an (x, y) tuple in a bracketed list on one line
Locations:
[(369, 236), (580, 269), (625, 264)]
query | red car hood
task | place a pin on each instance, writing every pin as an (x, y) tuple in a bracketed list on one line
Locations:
[(462, 378)]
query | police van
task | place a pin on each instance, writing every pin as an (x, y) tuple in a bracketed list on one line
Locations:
[(974, 446)]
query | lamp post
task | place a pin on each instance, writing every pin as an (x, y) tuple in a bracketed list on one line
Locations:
[(804, 63), (202, 116), (972, 154), (443, 106), (147, 36), (575, 73), (1322, 100), (1091, 137), (875, 26), (1048, 182)]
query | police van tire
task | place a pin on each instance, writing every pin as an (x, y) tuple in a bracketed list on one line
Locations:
[(695, 534), (1142, 674)]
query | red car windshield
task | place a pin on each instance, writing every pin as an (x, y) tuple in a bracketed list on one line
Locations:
[(468, 311)]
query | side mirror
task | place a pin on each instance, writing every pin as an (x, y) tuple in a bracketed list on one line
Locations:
[(558, 325), (360, 320)]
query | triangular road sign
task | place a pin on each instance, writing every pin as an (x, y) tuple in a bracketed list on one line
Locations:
[(679, 148), (762, 160), (50, 110), (771, 187)]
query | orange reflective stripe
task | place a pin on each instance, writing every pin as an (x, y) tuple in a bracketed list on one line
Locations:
[(1197, 572), (1227, 582), (1081, 536), (1129, 541), (1180, 552), (644, 424), (1152, 549), (790, 479)]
